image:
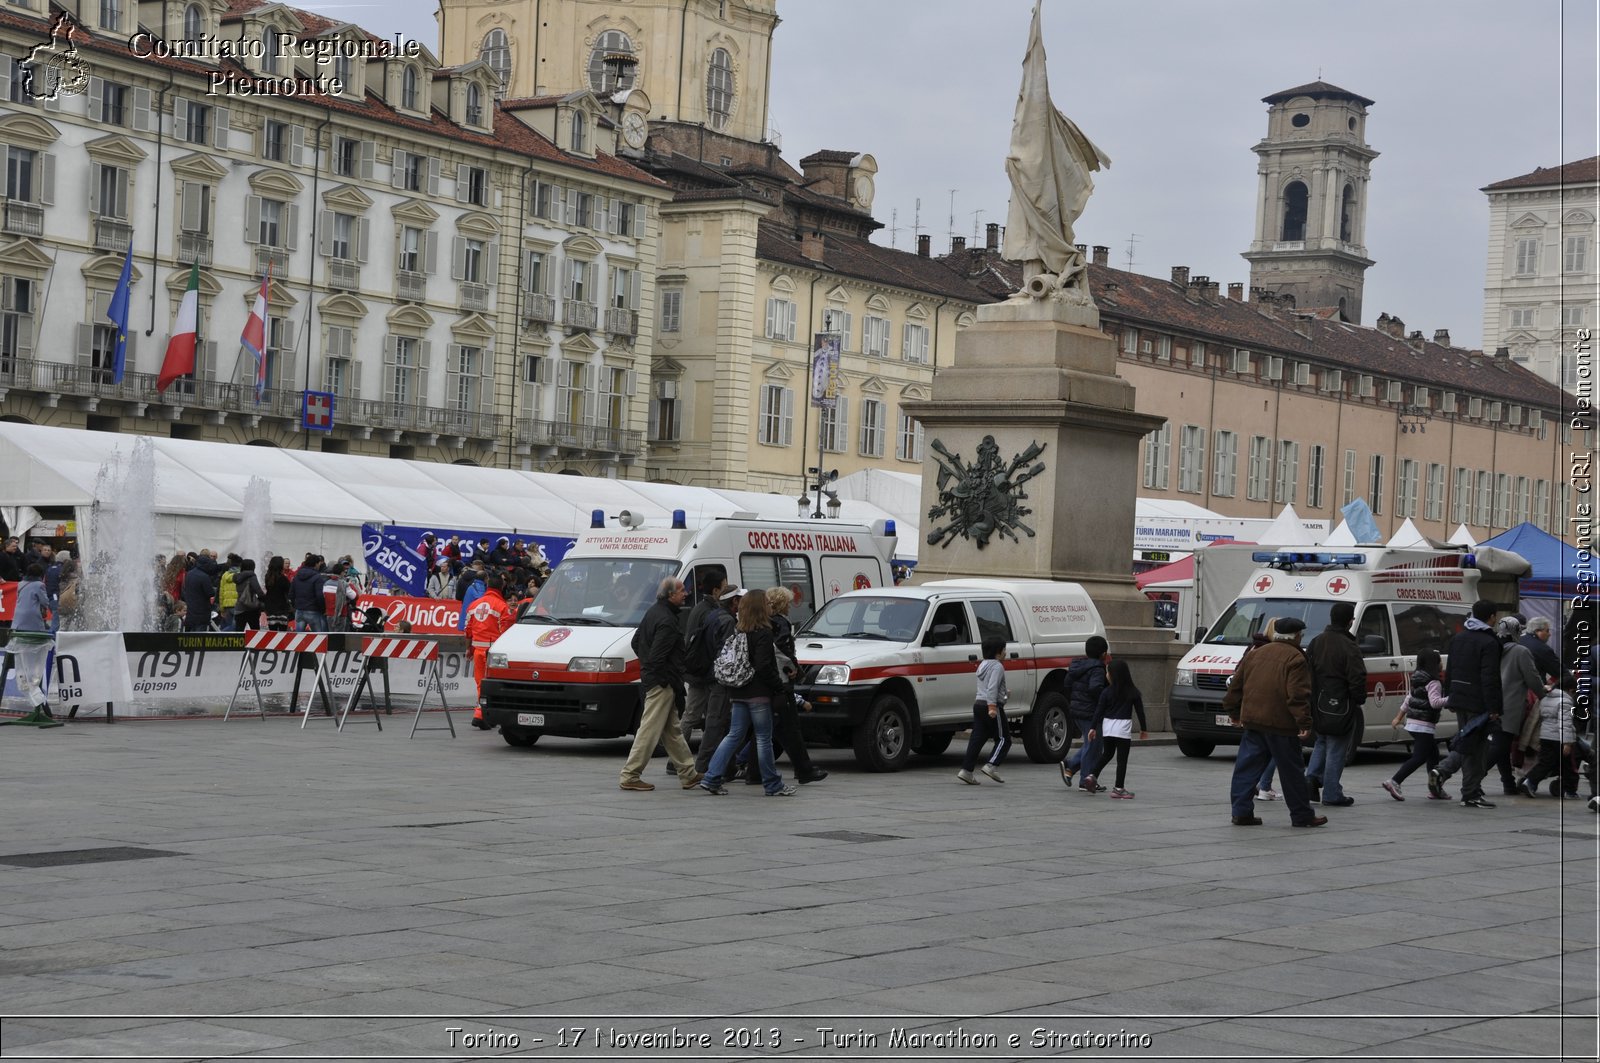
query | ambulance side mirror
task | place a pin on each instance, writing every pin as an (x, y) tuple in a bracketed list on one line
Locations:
[(1373, 645), (940, 635), (1200, 635)]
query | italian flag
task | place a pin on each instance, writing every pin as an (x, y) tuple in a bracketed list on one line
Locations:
[(179, 360)]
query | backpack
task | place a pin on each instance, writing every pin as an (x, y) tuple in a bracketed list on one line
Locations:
[(247, 601), (1330, 709), (732, 667)]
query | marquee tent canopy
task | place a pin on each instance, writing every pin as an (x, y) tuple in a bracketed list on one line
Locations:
[(1556, 566)]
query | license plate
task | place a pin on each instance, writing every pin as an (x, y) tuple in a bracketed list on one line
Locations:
[(1224, 720), (530, 719)]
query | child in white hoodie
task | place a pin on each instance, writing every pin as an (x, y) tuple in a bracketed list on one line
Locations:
[(1556, 736)]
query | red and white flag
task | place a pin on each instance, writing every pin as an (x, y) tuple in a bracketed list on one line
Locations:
[(179, 360), (255, 334)]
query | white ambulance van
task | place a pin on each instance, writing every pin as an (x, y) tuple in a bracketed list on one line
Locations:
[(567, 667), (893, 670), (1405, 601)]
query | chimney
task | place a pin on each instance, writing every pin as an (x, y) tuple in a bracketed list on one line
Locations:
[(1415, 339), (924, 246), (1236, 291), (1260, 295), (811, 246), (1502, 352), (1212, 290), (1441, 336), (1180, 276), (1196, 288), (958, 244), (1286, 300), (992, 236), (1102, 255), (1397, 328)]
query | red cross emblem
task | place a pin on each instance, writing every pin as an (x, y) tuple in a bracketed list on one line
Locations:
[(1264, 584), (1338, 585), (318, 411)]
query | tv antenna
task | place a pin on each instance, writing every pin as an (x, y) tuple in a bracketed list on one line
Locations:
[(894, 227), (1133, 238), (952, 231), (977, 214)]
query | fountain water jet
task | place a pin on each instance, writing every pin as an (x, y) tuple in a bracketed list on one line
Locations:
[(120, 576)]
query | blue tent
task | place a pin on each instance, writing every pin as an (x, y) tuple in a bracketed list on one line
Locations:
[(1556, 567)]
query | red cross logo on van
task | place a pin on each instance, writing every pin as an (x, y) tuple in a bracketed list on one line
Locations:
[(1338, 585), (1264, 584)]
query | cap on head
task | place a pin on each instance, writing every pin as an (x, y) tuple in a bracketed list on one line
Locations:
[(1287, 627), (1508, 627), (731, 593)]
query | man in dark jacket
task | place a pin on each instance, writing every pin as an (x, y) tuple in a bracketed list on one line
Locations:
[(11, 561), (1337, 670), (1269, 696), (718, 625), (1475, 698), (658, 643), (199, 589), (1537, 639), (305, 595), (1086, 679), (713, 581)]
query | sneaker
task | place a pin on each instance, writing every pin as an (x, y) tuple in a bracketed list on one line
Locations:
[(1392, 788), (1066, 773), (787, 791), (1436, 785), (991, 771), (1338, 802), (817, 775), (1089, 786), (1525, 789), (1247, 821), (1269, 794), (692, 781), (1119, 794), (967, 777), (1315, 821), (636, 784), (713, 788), (1442, 795), (1571, 795), (1476, 802)]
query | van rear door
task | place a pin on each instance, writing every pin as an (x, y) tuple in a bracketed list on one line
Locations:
[(1388, 673), (994, 618)]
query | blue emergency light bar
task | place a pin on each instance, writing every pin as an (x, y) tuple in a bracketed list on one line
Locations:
[(597, 518), (680, 519), (888, 527), (1294, 557)]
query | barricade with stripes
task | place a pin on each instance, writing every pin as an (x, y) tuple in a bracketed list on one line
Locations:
[(310, 649), (376, 652)]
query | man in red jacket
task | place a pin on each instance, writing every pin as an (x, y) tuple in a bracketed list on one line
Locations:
[(487, 617)]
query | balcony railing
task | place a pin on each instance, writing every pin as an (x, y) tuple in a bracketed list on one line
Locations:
[(112, 235), (538, 307), (24, 219), (568, 435), (474, 297), (194, 248), (621, 322), (344, 276), (381, 413), (275, 257), (411, 286), (578, 315), (464, 423)]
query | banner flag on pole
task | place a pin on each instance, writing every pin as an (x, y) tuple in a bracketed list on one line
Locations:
[(179, 360), (254, 338), (118, 313)]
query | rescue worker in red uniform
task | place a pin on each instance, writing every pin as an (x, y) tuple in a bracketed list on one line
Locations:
[(487, 618)]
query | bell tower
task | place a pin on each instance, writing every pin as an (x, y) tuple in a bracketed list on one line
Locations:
[(1311, 207), (698, 62)]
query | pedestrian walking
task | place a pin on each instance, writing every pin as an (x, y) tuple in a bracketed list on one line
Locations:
[(1269, 696), (1339, 680), (988, 715), (1120, 702), (658, 644), (751, 652), (1556, 738), (1086, 679), (1419, 715), (1476, 700)]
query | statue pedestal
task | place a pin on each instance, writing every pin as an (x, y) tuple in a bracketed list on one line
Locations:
[(1041, 373)]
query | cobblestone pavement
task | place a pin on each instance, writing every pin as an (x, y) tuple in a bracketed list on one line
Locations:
[(315, 895)]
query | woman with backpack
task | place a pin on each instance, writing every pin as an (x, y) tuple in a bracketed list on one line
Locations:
[(748, 666), (250, 599), (276, 596)]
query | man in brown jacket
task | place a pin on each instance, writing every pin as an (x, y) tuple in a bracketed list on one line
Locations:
[(1270, 697)]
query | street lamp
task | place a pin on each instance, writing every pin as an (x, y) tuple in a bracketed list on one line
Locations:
[(820, 481), (833, 506), (805, 504)]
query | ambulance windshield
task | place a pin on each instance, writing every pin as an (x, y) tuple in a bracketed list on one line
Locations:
[(1247, 616), (599, 590)]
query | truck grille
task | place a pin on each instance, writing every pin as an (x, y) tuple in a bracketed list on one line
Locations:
[(1211, 682), (524, 698)]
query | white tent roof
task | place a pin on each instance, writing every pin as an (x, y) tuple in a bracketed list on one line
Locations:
[(1340, 536), (1462, 537), (1407, 535), (1287, 530)]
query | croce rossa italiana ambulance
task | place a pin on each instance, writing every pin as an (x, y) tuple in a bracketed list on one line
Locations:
[(1405, 601), (567, 667)]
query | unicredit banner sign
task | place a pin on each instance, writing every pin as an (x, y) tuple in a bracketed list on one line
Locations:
[(427, 616)]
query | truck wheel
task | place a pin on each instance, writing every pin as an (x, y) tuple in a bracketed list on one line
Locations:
[(1195, 747), (1046, 730), (934, 743), (520, 739), (883, 741)]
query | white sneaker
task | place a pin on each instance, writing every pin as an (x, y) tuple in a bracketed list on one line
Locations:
[(1268, 794), (966, 776), (991, 771)]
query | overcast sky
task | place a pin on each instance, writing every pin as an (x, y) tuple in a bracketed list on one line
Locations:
[(1467, 92)]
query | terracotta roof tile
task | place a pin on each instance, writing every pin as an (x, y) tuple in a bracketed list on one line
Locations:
[(865, 260), (829, 155), (1582, 172)]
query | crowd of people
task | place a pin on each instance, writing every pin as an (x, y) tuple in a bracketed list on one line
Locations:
[(520, 564)]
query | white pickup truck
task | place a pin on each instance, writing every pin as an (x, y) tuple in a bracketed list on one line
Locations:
[(893, 669)]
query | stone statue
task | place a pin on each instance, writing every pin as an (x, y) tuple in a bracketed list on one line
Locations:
[(1049, 165)]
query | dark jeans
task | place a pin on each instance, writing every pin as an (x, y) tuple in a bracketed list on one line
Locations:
[(1469, 754), (1257, 749), (1088, 754), (1552, 762), (983, 729), (1424, 750), (717, 720), (1115, 747), (787, 722), (1502, 744)]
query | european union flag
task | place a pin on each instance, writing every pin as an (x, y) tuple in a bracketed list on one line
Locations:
[(118, 313)]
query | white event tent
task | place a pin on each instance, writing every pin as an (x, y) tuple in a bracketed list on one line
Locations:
[(320, 501)]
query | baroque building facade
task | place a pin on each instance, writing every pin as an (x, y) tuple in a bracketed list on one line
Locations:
[(1542, 284), (466, 287)]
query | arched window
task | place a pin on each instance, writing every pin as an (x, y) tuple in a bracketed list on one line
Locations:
[(719, 89), (1347, 213), (408, 89), (474, 104), (1294, 211), (496, 51), (269, 51), (194, 23), (612, 65), (580, 132)]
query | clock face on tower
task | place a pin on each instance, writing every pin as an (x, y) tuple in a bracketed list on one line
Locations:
[(861, 191), (634, 129)]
